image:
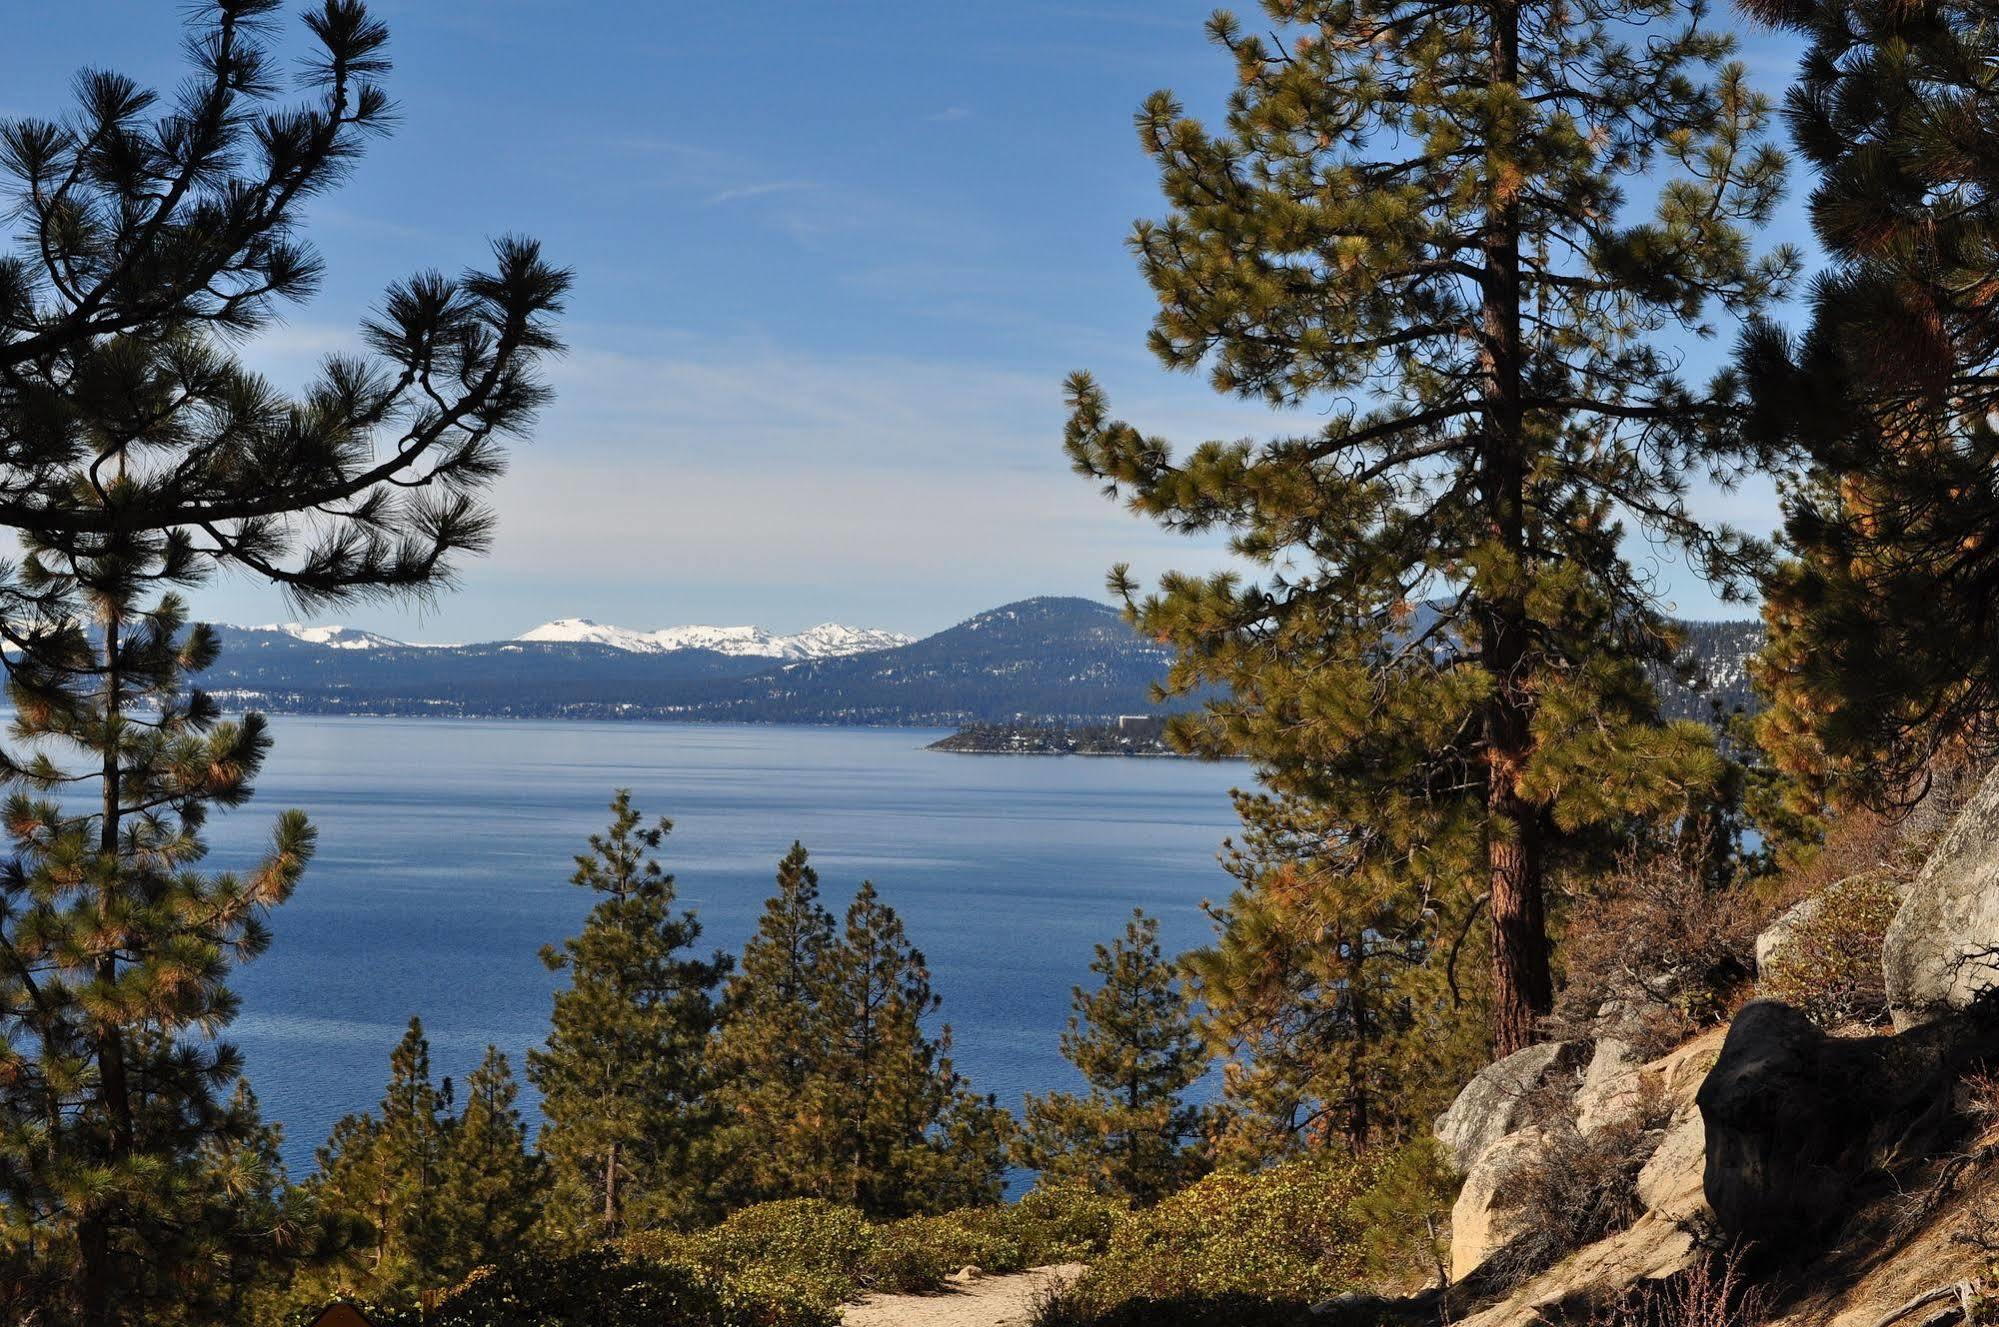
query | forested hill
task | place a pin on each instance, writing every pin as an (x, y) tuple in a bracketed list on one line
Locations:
[(1715, 660), (1063, 659)]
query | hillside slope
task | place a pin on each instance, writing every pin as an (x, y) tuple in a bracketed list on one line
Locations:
[(1062, 660)]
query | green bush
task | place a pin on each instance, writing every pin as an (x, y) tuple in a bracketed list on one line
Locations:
[(811, 1247), (601, 1288), (1830, 968), (1231, 1248), (917, 1253), (1063, 1222)]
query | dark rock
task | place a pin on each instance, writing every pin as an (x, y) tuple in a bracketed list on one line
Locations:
[(1796, 1121)]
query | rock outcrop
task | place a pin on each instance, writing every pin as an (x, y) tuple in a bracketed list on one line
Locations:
[(1494, 1104), (1941, 955), (1481, 1222), (1612, 1088)]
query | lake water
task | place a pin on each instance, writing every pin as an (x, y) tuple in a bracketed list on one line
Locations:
[(445, 852)]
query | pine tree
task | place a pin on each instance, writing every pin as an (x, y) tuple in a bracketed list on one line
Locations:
[(910, 1134), (1348, 1011), (828, 1082), (387, 1167), (444, 1194), (154, 240), (493, 1187), (622, 1080), (774, 1037), (137, 454), (1416, 215), (1136, 1042), (114, 1146), (1881, 654)]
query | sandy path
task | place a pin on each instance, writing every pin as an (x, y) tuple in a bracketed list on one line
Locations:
[(990, 1301)]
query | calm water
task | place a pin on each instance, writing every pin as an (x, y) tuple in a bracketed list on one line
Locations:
[(445, 853)]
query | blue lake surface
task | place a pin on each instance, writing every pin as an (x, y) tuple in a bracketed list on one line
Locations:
[(445, 852)]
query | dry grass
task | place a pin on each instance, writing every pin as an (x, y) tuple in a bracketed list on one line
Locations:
[(1714, 1292)]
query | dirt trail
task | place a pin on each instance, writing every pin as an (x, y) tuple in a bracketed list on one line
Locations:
[(990, 1301)]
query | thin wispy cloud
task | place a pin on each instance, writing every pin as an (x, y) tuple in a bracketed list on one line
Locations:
[(951, 115), (749, 191)]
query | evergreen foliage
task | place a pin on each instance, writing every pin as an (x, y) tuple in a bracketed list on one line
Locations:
[(137, 455), (1348, 1015), (1416, 213), (1881, 648), (774, 1038), (155, 238), (130, 1185), (386, 1168), (829, 1082), (494, 1187), (622, 1077), (443, 1193), (910, 1134), (1136, 1042)]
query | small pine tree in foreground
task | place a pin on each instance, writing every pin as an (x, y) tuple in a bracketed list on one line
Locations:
[(622, 1077), (828, 1082), (1136, 1042)]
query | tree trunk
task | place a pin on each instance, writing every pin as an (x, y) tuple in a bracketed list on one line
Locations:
[(612, 1217), (98, 1288), (1357, 1117), (1522, 987)]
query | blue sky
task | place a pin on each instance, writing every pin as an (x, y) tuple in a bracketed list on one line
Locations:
[(833, 262)]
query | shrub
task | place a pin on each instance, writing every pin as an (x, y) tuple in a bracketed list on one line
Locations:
[(1231, 1248), (918, 1252), (1830, 968), (805, 1250), (600, 1288), (1063, 1222), (1657, 949), (1711, 1293), (1576, 1190)]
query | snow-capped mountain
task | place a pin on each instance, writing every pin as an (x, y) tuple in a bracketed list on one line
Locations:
[(829, 640), (333, 637)]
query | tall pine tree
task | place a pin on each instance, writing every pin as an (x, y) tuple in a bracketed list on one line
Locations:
[(909, 1134), (1882, 649), (622, 1078), (444, 1193), (387, 1167), (115, 950), (773, 1139), (494, 1189), (829, 1083), (137, 454), (1136, 1042), (1414, 216)]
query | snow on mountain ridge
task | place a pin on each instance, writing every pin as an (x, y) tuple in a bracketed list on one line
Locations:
[(333, 637), (825, 641)]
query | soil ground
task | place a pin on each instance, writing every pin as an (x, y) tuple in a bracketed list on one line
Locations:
[(989, 1301)]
